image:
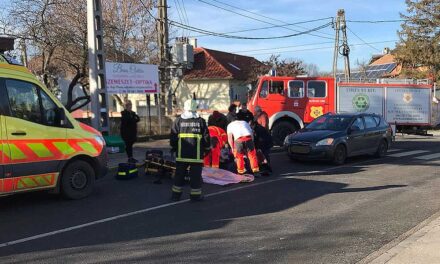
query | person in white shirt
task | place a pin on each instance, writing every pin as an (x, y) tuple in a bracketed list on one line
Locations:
[(240, 138)]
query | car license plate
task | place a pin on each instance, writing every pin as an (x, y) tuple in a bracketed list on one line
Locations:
[(300, 149)]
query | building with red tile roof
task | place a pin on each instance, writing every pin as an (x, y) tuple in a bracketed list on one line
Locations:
[(217, 79)]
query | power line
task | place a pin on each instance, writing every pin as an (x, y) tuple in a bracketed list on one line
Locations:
[(271, 18), (178, 13), (316, 48), (184, 10), (371, 46), (284, 47), (262, 28), (376, 21), (177, 24), (256, 19)]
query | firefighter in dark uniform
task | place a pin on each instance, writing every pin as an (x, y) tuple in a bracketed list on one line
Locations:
[(190, 140)]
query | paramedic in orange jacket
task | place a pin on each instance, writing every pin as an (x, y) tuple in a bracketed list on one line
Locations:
[(218, 140), (240, 138)]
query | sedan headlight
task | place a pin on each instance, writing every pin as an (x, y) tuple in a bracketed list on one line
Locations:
[(325, 142), (286, 140)]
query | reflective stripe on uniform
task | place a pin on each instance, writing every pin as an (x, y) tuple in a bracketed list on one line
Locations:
[(176, 189), (196, 191), (179, 147)]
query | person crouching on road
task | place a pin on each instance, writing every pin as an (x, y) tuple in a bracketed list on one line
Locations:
[(129, 120), (189, 138), (240, 138), (218, 140)]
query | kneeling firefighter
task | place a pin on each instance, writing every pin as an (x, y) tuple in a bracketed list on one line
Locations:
[(190, 140), (218, 140)]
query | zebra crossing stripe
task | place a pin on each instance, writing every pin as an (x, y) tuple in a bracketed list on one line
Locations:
[(429, 157), (407, 153)]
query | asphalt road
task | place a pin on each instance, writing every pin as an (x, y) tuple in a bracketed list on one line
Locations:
[(309, 212)]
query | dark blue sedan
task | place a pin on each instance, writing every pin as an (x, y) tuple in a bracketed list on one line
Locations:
[(338, 136)]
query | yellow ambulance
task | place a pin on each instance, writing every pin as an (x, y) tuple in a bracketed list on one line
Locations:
[(42, 146)]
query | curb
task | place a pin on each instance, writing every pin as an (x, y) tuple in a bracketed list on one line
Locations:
[(393, 248)]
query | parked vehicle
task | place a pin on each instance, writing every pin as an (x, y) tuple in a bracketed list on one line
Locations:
[(42, 146), (293, 102), (338, 136)]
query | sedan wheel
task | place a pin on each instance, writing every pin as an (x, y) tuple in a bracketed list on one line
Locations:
[(382, 149), (339, 155)]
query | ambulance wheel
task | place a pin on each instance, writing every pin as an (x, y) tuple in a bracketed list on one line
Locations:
[(77, 180)]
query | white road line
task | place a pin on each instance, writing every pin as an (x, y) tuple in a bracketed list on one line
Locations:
[(64, 230), (407, 153), (429, 157), (393, 150)]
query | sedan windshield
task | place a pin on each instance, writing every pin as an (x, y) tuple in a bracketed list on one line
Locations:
[(337, 123)]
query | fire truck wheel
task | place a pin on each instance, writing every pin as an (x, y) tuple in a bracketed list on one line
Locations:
[(339, 155), (281, 130), (77, 180)]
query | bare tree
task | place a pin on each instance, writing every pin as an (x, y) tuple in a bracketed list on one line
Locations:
[(56, 34)]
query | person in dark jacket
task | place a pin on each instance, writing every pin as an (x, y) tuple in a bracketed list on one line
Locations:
[(263, 140), (190, 140), (218, 119), (232, 113), (244, 114), (129, 120)]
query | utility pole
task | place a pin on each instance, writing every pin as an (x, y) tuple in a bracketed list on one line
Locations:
[(344, 49), (97, 81), (162, 29)]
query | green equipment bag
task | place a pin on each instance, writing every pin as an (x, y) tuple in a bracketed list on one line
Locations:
[(127, 171)]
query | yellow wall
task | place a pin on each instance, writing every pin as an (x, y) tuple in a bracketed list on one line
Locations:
[(216, 92)]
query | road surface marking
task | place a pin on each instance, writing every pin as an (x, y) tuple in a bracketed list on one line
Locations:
[(64, 230), (408, 153), (429, 157), (393, 150)]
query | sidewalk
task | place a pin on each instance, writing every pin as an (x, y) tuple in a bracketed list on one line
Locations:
[(419, 245), (139, 150)]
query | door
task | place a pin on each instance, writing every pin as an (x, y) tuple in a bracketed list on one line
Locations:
[(5, 185), (296, 99), (356, 142), (272, 96), (373, 133), (317, 100), (34, 139)]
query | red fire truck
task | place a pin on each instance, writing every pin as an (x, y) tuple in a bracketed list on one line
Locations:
[(293, 102)]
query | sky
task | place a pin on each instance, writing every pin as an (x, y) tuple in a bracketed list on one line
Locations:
[(316, 49)]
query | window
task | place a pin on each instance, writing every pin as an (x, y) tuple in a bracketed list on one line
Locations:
[(378, 120), (264, 91), (276, 87), (49, 109), (316, 89), (370, 122), (296, 89), (359, 123), (23, 100)]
